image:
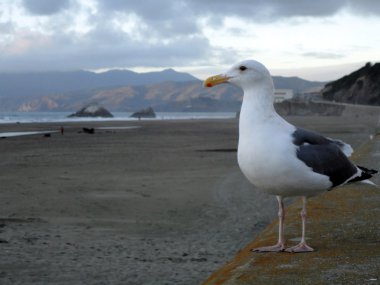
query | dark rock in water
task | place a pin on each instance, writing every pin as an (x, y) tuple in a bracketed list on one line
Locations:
[(144, 113), (89, 130), (3, 241), (92, 111)]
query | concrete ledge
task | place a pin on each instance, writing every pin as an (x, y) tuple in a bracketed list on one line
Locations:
[(344, 228)]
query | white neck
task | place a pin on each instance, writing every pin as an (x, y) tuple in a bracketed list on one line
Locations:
[(258, 103), (257, 109)]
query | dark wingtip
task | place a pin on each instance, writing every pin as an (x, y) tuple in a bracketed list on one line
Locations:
[(366, 174), (368, 171)]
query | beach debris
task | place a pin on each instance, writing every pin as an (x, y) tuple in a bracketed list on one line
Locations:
[(144, 113), (93, 110), (27, 133), (89, 130)]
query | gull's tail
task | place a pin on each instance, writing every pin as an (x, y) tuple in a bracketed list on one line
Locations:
[(365, 175)]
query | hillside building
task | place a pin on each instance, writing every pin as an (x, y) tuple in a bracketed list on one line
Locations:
[(282, 95)]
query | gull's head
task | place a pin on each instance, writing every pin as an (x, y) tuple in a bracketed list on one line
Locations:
[(245, 74)]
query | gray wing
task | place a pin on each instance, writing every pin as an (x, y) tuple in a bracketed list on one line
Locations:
[(302, 136), (324, 156)]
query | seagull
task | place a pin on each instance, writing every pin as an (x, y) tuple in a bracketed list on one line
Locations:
[(280, 158)]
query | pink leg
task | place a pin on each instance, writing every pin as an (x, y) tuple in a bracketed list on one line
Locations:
[(280, 245), (302, 246)]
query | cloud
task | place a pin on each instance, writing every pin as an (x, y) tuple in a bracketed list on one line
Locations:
[(90, 34), (6, 28), (364, 7), (258, 10), (322, 55), (177, 13), (99, 49), (45, 7), (24, 42), (164, 18), (263, 11), (115, 36)]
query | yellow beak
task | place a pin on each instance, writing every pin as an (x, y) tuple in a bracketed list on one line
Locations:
[(215, 80)]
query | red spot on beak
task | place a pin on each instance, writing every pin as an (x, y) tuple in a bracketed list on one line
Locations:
[(209, 85)]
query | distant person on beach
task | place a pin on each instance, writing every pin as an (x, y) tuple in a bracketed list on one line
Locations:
[(62, 131)]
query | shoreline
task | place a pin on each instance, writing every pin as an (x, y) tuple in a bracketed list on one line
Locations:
[(61, 117)]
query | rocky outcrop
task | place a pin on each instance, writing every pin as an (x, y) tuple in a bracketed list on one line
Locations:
[(359, 87), (144, 113), (92, 111)]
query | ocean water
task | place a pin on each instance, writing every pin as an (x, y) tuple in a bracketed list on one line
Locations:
[(41, 117)]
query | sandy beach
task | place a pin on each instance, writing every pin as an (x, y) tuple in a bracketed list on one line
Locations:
[(161, 203)]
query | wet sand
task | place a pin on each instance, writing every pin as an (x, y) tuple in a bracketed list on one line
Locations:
[(163, 203)]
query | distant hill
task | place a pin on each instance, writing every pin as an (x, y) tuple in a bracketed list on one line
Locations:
[(47, 83), (298, 85), (118, 90), (360, 87), (163, 96)]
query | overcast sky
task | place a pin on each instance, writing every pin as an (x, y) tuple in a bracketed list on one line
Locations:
[(320, 40)]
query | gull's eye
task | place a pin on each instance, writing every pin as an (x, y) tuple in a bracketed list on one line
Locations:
[(242, 68)]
